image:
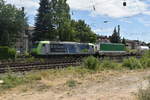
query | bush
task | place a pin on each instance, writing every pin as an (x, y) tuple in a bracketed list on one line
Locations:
[(108, 64), (91, 63), (7, 53), (147, 54), (132, 63), (145, 60)]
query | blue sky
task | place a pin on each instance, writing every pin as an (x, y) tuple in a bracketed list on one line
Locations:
[(134, 19)]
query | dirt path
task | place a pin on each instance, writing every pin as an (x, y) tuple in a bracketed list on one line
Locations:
[(123, 86)]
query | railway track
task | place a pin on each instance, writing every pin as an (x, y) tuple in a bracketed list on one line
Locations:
[(52, 63), (35, 66)]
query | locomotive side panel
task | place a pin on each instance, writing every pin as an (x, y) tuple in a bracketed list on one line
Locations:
[(111, 49)]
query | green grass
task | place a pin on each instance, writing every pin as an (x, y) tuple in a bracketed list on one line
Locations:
[(11, 81), (93, 63), (107, 64)]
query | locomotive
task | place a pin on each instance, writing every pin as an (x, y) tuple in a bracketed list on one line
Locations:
[(53, 48)]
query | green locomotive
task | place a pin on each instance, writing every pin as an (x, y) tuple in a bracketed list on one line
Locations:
[(110, 48)]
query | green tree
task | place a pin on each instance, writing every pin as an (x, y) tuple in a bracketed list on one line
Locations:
[(124, 41), (62, 20), (115, 38), (148, 44), (12, 24), (53, 20), (43, 24), (83, 32)]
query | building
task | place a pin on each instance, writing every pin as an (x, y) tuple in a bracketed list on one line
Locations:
[(22, 42), (30, 33), (134, 44), (103, 39)]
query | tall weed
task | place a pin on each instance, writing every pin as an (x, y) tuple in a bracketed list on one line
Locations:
[(145, 60), (108, 64), (132, 63)]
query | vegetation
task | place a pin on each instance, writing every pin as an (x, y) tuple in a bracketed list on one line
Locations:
[(71, 83), (107, 64), (53, 22), (132, 63), (124, 41), (115, 38), (12, 24), (144, 94), (82, 32), (7, 53), (91, 63), (11, 81)]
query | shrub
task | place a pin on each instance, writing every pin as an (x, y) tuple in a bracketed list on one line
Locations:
[(147, 54), (7, 53), (132, 63), (108, 64), (145, 60), (91, 63)]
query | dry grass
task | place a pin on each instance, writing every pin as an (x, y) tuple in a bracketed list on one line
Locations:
[(45, 79)]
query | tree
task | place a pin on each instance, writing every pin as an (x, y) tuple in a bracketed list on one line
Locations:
[(44, 29), (124, 41), (83, 32), (53, 20), (62, 19), (115, 38), (12, 24), (148, 44)]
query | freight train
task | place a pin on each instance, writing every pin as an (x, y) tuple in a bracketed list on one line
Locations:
[(53, 48)]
